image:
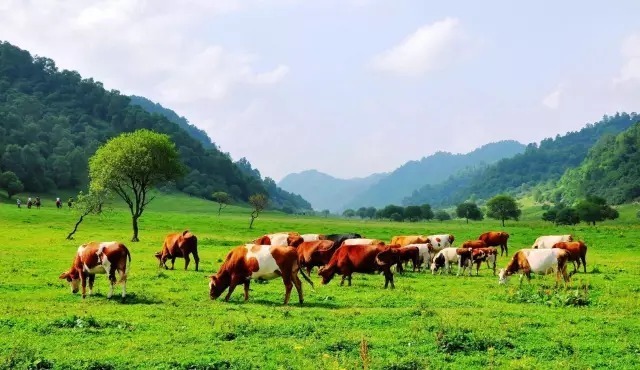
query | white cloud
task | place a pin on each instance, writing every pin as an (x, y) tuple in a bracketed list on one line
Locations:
[(429, 48), (552, 100), (630, 71)]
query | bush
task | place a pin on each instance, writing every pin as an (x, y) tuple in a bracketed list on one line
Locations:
[(551, 297), (453, 340)]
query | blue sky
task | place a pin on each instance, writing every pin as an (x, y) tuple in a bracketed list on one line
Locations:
[(350, 87)]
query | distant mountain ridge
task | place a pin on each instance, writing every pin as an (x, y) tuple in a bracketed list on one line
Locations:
[(325, 191), (431, 170)]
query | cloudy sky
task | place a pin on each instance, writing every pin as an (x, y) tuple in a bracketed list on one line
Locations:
[(350, 87)]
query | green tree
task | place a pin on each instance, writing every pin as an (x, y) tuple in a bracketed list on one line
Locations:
[(392, 209), (349, 213), (427, 212), (550, 215), (371, 212), (362, 212), (503, 207), (595, 209), (259, 202), (223, 199), (442, 215), (131, 165), (413, 213), (91, 203), (11, 183), (567, 216), (469, 211), (326, 213)]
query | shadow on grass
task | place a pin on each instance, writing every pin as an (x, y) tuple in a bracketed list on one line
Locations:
[(292, 303), (133, 298)]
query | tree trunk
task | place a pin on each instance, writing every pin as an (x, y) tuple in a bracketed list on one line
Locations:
[(251, 223), (70, 236), (503, 222), (219, 208), (134, 219), (467, 220)]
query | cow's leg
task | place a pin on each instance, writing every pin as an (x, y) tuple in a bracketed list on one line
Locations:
[(92, 278), (584, 263), (246, 290), (298, 284), (234, 281), (186, 261), (288, 285), (173, 261), (349, 277), (196, 259), (83, 281), (342, 281), (123, 280), (388, 275)]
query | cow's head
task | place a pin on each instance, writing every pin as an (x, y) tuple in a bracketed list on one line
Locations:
[(327, 273), (451, 238), (387, 257), (158, 255), (294, 240), (216, 286), (503, 275), (73, 279), (437, 263)]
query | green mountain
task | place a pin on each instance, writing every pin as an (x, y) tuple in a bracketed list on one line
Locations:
[(611, 170), (325, 191), (52, 121), (430, 170), (537, 165)]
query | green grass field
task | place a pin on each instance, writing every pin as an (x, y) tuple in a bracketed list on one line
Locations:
[(168, 320)]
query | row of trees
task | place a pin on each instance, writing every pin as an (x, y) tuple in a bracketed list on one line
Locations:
[(500, 207), (590, 210)]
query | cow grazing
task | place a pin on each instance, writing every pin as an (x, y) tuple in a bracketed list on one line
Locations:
[(262, 262), (444, 259), (541, 261), (312, 237), (496, 239), (316, 253), (548, 241), (179, 245), (404, 240), (360, 258), (439, 242), (488, 255), (577, 253), (363, 241), (98, 258), (292, 239), (425, 251)]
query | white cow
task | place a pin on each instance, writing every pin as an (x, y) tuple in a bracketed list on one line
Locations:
[(540, 261), (362, 241), (312, 237), (445, 258), (548, 241), (424, 253), (441, 241)]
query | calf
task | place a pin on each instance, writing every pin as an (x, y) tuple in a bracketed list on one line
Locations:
[(540, 261), (495, 239), (405, 254), (360, 258), (488, 255), (474, 244), (316, 253), (444, 259), (262, 262), (465, 259), (577, 253), (98, 258), (179, 245)]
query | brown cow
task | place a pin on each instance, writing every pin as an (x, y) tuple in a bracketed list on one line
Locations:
[(360, 258), (406, 254), (474, 244), (98, 258), (577, 251), (495, 239), (403, 240), (179, 245), (262, 262), (308, 256)]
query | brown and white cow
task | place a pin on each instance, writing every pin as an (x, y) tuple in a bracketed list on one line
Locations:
[(441, 241), (261, 262), (292, 239), (488, 255), (179, 245), (541, 261), (98, 258), (496, 239), (577, 253), (360, 258)]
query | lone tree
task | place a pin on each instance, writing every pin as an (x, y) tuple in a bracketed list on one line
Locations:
[(469, 211), (442, 215), (503, 207), (132, 164), (259, 203), (594, 209), (326, 213), (223, 199), (11, 183), (91, 203), (349, 213)]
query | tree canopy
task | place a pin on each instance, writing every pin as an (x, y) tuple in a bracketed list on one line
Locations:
[(259, 203), (469, 211), (503, 207), (595, 209), (11, 183), (131, 165)]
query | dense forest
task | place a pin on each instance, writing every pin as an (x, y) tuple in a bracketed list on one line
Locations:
[(611, 170), (52, 121), (538, 164)]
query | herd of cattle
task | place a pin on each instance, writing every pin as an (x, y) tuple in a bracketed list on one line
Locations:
[(286, 254)]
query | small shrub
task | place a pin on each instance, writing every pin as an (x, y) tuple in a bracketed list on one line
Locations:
[(23, 358), (552, 297), (406, 364), (455, 340)]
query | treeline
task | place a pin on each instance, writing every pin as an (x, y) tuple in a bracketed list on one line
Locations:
[(52, 121), (538, 164), (592, 209)]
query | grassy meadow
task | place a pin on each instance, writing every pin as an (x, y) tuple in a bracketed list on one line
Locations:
[(169, 322)]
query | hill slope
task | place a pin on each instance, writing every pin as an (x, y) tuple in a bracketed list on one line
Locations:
[(430, 170), (611, 170), (538, 164), (52, 121), (327, 192)]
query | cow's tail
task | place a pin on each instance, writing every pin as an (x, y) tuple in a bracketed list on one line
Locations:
[(307, 279)]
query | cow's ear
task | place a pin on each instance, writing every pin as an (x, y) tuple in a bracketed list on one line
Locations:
[(64, 275)]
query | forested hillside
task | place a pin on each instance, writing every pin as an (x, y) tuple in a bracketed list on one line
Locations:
[(325, 191), (538, 164), (52, 121), (430, 170), (611, 170)]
